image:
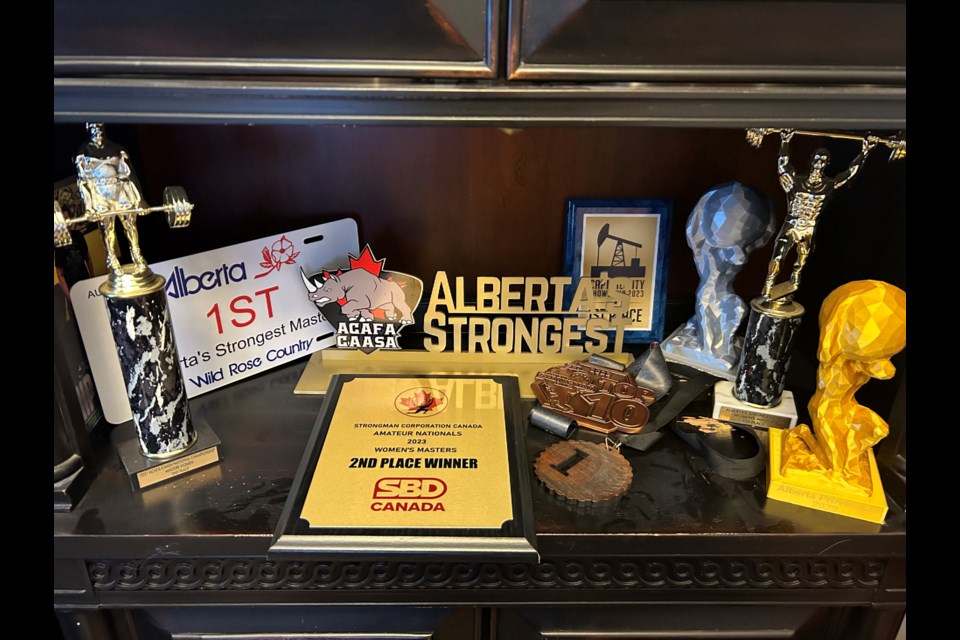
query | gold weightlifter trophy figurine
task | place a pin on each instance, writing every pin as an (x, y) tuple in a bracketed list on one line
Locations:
[(134, 295), (774, 315)]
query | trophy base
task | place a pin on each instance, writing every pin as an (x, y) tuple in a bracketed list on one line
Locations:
[(146, 471), (674, 351), (818, 493), (726, 407), (131, 282), (816, 521)]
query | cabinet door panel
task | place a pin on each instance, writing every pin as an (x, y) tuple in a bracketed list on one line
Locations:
[(696, 622), (304, 622), (709, 40), (346, 37)]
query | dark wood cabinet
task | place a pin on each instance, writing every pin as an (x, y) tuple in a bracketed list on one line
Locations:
[(798, 41), (477, 119), (437, 38)]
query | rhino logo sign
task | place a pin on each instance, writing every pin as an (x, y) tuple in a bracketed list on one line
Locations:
[(366, 303)]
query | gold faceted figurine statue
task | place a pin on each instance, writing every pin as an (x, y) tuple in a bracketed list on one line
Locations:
[(862, 325)]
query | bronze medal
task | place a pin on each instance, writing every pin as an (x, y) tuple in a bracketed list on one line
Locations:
[(597, 397), (585, 473)]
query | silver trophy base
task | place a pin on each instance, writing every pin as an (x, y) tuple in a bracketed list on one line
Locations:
[(675, 351), (783, 415)]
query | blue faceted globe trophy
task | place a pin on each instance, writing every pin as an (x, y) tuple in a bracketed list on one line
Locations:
[(727, 224)]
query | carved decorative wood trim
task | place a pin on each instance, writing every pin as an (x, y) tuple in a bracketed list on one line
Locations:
[(666, 573)]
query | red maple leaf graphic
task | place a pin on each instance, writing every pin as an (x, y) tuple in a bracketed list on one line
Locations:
[(367, 262), (421, 402)]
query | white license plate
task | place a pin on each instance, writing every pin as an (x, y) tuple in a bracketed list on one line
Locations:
[(236, 311)]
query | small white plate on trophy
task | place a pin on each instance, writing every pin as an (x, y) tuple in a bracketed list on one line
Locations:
[(727, 407)]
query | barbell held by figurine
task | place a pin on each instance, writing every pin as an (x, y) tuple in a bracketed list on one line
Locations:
[(175, 204), (897, 146)]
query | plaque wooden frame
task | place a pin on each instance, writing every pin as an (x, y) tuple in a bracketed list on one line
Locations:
[(514, 540)]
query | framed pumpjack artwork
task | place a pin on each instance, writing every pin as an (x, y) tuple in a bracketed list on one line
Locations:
[(622, 247)]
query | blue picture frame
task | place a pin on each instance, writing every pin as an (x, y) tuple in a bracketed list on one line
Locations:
[(612, 239)]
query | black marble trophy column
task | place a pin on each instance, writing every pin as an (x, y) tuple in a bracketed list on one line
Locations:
[(151, 366), (766, 351)]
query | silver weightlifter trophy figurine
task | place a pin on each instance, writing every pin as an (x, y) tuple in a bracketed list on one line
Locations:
[(136, 303), (727, 224), (774, 315)]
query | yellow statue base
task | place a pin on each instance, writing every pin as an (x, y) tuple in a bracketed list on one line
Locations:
[(323, 364), (816, 492)]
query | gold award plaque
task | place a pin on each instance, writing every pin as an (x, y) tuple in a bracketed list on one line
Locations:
[(409, 452)]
